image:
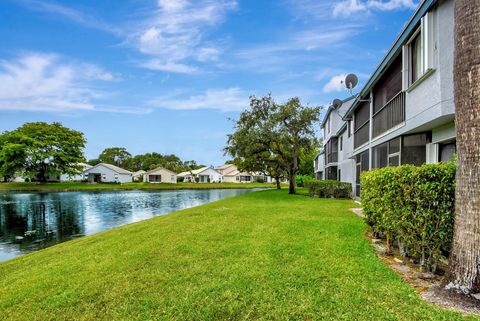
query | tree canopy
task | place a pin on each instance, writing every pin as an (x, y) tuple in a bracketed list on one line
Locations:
[(273, 138), (39, 150)]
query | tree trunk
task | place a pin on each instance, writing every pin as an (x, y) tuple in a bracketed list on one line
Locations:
[(291, 182), (464, 274), (277, 180), (42, 177)]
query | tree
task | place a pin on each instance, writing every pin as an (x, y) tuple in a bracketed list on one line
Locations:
[(251, 143), (118, 156), (272, 137), (39, 149), (296, 135), (464, 270), (307, 160)]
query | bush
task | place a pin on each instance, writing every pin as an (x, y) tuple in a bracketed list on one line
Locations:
[(413, 206), (329, 189), (300, 180)]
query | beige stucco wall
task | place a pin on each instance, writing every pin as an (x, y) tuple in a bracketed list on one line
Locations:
[(167, 176)]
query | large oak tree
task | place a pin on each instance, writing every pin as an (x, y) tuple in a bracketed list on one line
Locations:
[(38, 150)]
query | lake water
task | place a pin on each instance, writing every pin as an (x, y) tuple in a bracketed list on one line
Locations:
[(31, 221)]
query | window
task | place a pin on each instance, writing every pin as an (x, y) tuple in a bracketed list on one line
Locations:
[(419, 52), (416, 58), (155, 178), (362, 164), (328, 124), (331, 173), (172, 178), (446, 151), (380, 156), (339, 177), (341, 142), (349, 127), (386, 154), (332, 150), (414, 150)]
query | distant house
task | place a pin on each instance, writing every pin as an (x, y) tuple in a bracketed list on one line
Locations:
[(231, 174), (203, 175), (107, 173), (160, 175), (137, 175), (76, 177)]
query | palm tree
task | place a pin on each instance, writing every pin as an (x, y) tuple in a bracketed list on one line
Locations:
[(464, 274)]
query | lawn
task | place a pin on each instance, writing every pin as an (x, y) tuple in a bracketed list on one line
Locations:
[(77, 186), (265, 255)]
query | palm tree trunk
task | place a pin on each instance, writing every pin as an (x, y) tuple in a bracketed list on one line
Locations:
[(464, 274)]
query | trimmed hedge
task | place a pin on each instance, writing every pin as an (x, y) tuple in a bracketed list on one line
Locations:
[(329, 189), (413, 207)]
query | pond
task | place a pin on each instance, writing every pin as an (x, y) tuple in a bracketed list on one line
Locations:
[(31, 221)]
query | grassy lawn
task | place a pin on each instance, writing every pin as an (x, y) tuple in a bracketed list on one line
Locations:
[(264, 255), (77, 186)]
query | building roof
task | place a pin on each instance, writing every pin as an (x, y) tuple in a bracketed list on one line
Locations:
[(138, 173), (392, 52), (159, 168), (194, 172), (112, 167)]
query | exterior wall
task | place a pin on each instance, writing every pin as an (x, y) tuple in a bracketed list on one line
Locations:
[(166, 176), (215, 177), (429, 104), (108, 175), (229, 179)]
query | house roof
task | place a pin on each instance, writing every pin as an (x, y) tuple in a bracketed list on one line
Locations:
[(112, 167), (394, 49), (194, 172), (137, 173), (160, 168)]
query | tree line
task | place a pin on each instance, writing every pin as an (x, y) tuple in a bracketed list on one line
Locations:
[(39, 150), (120, 157)]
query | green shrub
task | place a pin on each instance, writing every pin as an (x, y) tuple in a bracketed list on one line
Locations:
[(329, 189), (300, 180), (413, 206)]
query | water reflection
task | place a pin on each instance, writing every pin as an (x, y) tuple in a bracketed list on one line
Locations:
[(31, 221)]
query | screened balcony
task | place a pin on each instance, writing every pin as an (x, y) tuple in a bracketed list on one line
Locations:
[(390, 115)]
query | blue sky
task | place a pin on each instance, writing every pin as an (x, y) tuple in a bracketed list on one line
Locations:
[(165, 75)]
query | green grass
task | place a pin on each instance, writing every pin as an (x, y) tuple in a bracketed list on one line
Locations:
[(77, 186), (264, 255)]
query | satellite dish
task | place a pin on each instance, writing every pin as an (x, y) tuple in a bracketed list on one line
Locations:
[(337, 103), (351, 81)]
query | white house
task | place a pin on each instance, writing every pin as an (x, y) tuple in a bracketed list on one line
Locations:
[(107, 173), (76, 177), (160, 175), (138, 174), (204, 175), (231, 174)]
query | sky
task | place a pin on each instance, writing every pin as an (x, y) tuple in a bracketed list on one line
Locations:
[(168, 76)]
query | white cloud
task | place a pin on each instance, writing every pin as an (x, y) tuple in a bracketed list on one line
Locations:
[(335, 84), (46, 82), (349, 7), (71, 14), (230, 99), (174, 35), (168, 66)]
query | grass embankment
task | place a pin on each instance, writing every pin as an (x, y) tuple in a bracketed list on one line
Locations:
[(77, 186), (265, 255)]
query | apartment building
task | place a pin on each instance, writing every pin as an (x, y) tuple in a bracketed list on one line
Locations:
[(405, 112)]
